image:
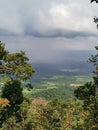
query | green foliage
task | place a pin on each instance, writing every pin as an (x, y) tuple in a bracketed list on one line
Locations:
[(28, 124), (3, 52), (11, 124), (41, 114), (15, 65), (12, 90), (18, 65), (89, 94), (20, 119), (86, 93), (57, 115), (16, 68)]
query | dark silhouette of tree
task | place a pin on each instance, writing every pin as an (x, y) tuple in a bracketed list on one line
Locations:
[(94, 0)]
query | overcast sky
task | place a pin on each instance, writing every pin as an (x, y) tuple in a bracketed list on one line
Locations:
[(45, 28)]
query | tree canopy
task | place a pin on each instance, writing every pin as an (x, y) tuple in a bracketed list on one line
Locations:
[(15, 65), (88, 93), (16, 68)]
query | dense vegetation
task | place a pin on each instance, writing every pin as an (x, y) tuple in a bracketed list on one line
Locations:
[(14, 69), (18, 112), (58, 85)]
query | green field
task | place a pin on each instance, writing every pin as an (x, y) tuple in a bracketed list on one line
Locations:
[(55, 86)]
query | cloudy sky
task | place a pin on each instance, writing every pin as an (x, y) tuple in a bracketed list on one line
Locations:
[(46, 28)]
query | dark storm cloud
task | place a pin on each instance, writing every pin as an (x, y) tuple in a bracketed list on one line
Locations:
[(59, 33), (47, 18), (46, 28)]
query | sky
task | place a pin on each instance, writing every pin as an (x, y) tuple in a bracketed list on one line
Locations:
[(45, 29)]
